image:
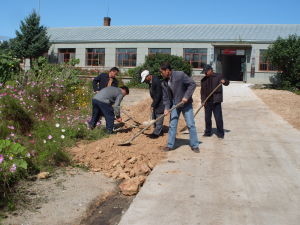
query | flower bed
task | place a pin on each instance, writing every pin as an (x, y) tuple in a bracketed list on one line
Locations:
[(40, 119)]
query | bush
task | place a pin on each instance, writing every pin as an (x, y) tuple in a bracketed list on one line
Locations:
[(284, 55), (9, 67), (13, 165), (153, 62), (12, 110)]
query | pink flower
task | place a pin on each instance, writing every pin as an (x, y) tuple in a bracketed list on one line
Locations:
[(1, 159), (11, 127), (50, 137), (13, 168)]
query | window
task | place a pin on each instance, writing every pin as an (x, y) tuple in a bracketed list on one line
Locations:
[(197, 57), (126, 57), (95, 56), (264, 64), (65, 54), (153, 51)]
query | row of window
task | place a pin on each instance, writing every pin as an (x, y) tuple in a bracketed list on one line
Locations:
[(126, 57)]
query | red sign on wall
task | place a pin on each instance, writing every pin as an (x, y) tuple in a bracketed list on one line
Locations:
[(229, 51)]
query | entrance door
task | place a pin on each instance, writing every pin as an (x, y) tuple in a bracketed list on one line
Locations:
[(232, 67), (232, 63)]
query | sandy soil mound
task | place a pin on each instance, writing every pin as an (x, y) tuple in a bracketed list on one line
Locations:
[(124, 162)]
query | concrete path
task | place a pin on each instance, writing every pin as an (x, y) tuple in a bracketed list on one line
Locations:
[(252, 177)]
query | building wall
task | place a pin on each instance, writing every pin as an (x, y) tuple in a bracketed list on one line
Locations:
[(260, 77), (176, 49)]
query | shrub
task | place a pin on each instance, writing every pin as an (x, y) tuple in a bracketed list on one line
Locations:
[(284, 54), (12, 110), (153, 62), (9, 67), (13, 165)]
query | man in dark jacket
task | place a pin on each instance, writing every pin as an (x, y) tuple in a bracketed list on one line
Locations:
[(179, 88), (107, 103), (208, 84), (157, 102), (106, 80)]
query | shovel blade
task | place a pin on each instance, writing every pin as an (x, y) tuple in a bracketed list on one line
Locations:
[(127, 143)]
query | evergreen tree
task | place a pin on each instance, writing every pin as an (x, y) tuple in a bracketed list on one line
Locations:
[(32, 40)]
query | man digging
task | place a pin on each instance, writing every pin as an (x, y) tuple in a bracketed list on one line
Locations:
[(107, 103), (178, 88), (213, 104), (157, 105)]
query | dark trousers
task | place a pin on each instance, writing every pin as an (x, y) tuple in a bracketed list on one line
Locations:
[(158, 126), (215, 108), (103, 109)]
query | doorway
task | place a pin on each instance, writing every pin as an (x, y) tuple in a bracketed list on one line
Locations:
[(232, 62), (232, 67)]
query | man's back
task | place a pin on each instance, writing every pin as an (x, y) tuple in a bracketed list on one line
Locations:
[(108, 95)]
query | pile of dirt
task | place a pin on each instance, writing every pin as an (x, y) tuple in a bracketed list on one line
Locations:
[(125, 162), (285, 103)]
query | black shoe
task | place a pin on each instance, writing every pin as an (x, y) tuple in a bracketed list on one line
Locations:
[(196, 150), (207, 134), (91, 127), (166, 149), (153, 136), (220, 136)]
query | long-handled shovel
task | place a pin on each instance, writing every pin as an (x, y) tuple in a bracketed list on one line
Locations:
[(127, 143), (203, 104), (130, 118)]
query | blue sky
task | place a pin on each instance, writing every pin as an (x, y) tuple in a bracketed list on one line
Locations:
[(70, 13)]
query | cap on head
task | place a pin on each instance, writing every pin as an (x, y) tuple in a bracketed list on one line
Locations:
[(207, 68), (144, 74)]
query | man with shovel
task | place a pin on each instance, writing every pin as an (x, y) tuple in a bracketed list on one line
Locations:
[(157, 102), (107, 103), (213, 103), (178, 89)]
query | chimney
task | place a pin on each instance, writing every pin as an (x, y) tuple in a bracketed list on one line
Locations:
[(106, 21)]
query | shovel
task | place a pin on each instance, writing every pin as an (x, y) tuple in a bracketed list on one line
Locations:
[(203, 104), (130, 118), (128, 143)]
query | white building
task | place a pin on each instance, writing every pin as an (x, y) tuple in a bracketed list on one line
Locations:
[(236, 50)]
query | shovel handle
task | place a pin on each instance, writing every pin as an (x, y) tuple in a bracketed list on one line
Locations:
[(153, 122), (130, 118), (203, 104)]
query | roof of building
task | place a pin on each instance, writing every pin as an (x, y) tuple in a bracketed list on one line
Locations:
[(3, 38), (175, 33)]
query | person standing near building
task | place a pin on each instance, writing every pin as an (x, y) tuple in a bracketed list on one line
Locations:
[(157, 105), (178, 88), (106, 80), (107, 103), (213, 104)]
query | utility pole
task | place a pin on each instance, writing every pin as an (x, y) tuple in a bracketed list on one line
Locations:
[(39, 6)]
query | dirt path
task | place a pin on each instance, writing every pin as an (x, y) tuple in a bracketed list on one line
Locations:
[(250, 177), (284, 103)]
